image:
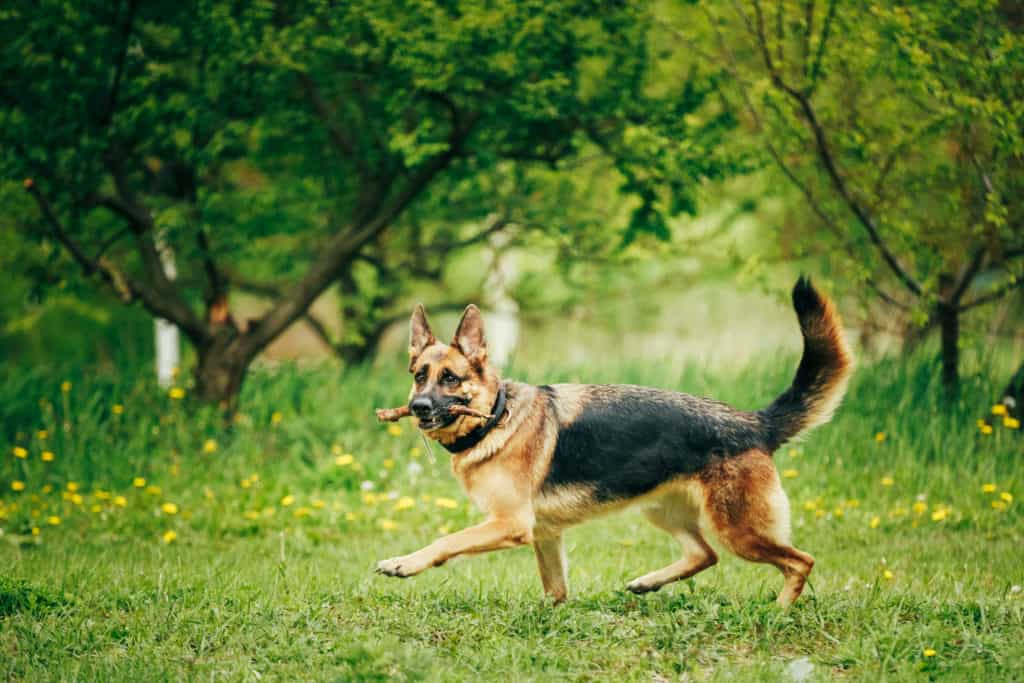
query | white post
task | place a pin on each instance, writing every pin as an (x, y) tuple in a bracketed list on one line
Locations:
[(503, 320), (168, 349)]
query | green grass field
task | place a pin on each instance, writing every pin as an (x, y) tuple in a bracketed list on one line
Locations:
[(154, 544)]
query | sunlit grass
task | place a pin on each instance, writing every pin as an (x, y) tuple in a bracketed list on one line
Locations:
[(143, 539)]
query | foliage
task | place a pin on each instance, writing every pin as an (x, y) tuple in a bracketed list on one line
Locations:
[(901, 127), (291, 142)]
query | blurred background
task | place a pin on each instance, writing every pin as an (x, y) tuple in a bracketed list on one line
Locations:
[(283, 181)]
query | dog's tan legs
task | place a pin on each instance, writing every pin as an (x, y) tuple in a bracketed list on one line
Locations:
[(494, 534), (678, 518), (552, 564), (749, 512)]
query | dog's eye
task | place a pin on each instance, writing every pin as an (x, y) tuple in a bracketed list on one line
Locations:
[(420, 377), (449, 379)]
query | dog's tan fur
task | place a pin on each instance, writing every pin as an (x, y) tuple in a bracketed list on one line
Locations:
[(738, 499)]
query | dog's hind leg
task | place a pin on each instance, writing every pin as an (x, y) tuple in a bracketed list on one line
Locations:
[(749, 512), (551, 562), (677, 516)]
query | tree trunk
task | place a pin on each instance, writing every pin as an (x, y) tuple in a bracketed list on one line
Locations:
[(1013, 395), (948, 317), (220, 371)]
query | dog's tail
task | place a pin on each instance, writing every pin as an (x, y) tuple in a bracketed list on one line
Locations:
[(824, 369)]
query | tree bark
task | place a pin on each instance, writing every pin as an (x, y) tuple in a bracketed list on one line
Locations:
[(221, 369), (948, 317)]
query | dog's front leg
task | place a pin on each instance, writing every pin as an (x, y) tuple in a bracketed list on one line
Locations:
[(494, 534)]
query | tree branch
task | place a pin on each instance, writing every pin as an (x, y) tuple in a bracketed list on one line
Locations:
[(115, 86), (340, 250), (994, 295)]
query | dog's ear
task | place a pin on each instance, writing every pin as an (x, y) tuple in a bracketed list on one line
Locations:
[(469, 336), (420, 336)]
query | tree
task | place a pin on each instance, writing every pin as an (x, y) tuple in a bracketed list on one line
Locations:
[(902, 128), (291, 140)]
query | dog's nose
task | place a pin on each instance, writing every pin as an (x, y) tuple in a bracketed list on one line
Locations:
[(421, 406)]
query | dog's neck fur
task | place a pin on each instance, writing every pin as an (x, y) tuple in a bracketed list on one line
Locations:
[(518, 397)]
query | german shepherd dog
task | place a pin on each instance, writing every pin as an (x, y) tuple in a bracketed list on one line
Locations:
[(539, 459)]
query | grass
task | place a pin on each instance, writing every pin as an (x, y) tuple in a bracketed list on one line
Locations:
[(268, 571)]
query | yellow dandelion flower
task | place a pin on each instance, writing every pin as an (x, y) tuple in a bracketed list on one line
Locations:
[(1007, 496), (998, 505), (169, 508), (394, 430), (387, 524), (888, 481), (838, 512), (17, 485), (940, 514), (875, 521), (999, 409), (888, 575), (65, 386), (389, 463), (276, 417), (369, 498), (988, 488), (138, 482), (77, 499), (880, 437), (350, 516), (810, 505), (53, 520), (1011, 422), (251, 514), (170, 536), (444, 529), (986, 429), (790, 474), (928, 652), (245, 483), (42, 434), (96, 507), (120, 501), (35, 531), (154, 490), (425, 498), (117, 409), (209, 446), (819, 513), (344, 459), (405, 502), (47, 488), (72, 486), (446, 503), (920, 507), (414, 452), (794, 453), (101, 495), (176, 393), (302, 512), (287, 500), (19, 452), (336, 449), (47, 456), (319, 504)]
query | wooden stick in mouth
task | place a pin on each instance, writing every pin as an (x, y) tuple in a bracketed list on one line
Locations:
[(396, 414)]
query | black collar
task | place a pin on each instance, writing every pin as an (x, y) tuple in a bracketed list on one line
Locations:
[(467, 441)]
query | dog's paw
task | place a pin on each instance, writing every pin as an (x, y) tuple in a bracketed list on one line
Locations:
[(400, 567), (640, 587)]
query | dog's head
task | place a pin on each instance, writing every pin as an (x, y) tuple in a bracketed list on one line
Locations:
[(444, 375)]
